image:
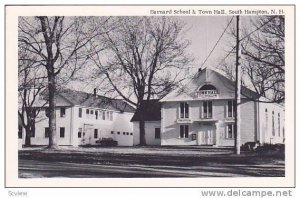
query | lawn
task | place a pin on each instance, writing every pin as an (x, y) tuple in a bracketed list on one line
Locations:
[(188, 161)]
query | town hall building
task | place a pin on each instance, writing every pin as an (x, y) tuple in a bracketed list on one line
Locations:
[(202, 113)]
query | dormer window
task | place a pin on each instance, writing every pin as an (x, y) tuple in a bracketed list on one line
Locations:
[(207, 90), (208, 87)]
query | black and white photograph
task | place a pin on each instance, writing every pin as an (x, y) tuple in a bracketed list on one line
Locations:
[(175, 93)]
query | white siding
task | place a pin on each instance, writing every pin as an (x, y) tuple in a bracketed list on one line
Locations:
[(149, 133), (120, 123), (265, 126), (171, 129), (42, 122), (72, 122)]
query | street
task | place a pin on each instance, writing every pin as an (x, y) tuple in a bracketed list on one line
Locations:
[(127, 164), (33, 168)]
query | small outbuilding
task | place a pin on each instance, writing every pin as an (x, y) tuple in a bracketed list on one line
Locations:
[(152, 117)]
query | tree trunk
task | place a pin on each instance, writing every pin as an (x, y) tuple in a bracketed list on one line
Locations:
[(142, 133), (52, 113), (142, 126), (27, 136)]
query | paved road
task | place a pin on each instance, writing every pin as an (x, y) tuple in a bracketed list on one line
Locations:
[(36, 169)]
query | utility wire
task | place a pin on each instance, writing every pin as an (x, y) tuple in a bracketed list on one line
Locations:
[(258, 28), (227, 55), (217, 42)]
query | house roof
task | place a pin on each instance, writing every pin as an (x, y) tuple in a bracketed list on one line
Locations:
[(97, 101), (108, 103), (225, 87), (244, 90), (152, 112)]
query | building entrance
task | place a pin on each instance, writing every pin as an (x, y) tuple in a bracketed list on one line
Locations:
[(207, 135)]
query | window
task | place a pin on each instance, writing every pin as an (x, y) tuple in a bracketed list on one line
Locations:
[(96, 114), (62, 132), (112, 132), (194, 137), (87, 111), (273, 124), (127, 133), (184, 131), (62, 112), (33, 113), (33, 131), (111, 116), (231, 109), (131, 133), (123, 133), (80, 112), (157, 133), (207, 109), (95, 133), (230, 131), (266, 119), (47, 112), (79, 132), (107, 115), (20, 132), (92, 112), (208, 87), (278, 124), (207, 90), (103, 115), (184, 110), (118, 132), (46, 132)]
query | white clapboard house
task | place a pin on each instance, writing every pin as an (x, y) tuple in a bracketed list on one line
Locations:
[(83, 118), (202, 113)]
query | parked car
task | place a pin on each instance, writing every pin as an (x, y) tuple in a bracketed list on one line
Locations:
[(250, 146), (273, 147), (257, 147), (107, 142)]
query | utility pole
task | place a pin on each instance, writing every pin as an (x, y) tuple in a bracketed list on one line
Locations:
[(237, 127)]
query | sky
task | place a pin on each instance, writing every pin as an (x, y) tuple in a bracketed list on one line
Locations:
[(204, 33)]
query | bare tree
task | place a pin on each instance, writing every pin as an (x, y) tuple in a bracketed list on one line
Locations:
[(31, 84), (58, 44), (264, 54), (145, 57), (263, 62)]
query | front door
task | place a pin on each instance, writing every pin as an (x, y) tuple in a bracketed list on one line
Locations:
[(88, 134), (206, 135)]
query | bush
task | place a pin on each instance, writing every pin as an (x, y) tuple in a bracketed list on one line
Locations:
[(274, 147), (256, 146)]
